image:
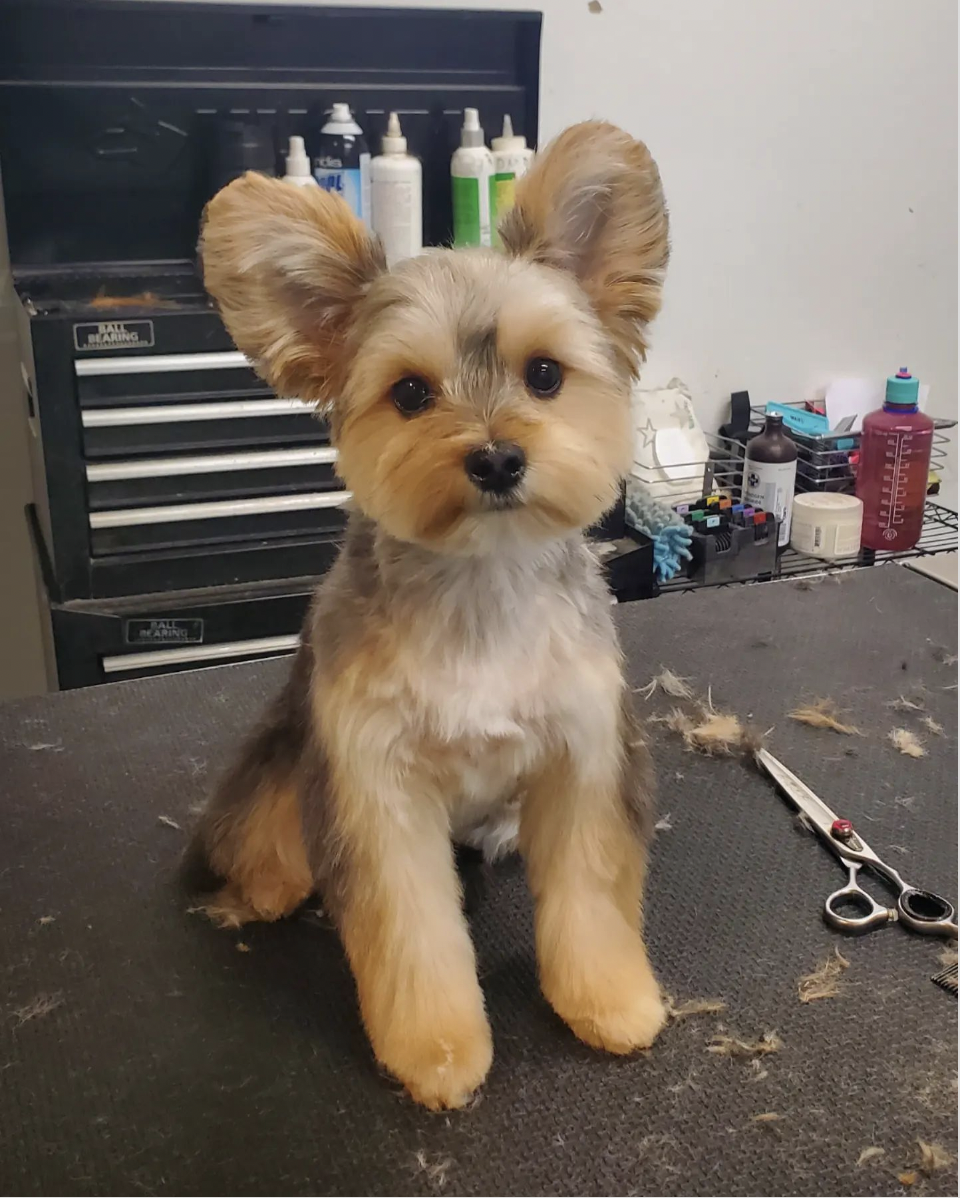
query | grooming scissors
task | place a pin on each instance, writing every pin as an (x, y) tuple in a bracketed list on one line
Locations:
[(919, 910)]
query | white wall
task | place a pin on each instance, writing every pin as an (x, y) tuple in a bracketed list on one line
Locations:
[(809, 153)]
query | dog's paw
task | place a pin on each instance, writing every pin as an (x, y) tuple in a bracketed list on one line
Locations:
[(618, 1009), (442, 1068), (619, 1024), (232, 907)]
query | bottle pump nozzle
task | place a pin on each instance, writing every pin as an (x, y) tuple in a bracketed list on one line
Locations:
[(472, 133), (298, 164), (393, 140)]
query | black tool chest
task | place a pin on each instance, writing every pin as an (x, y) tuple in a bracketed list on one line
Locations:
[(164, 462), (182, 511)]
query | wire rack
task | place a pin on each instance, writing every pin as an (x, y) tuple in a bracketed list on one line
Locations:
[(827, 461), (939, 535), (824, 463), (721, 470)]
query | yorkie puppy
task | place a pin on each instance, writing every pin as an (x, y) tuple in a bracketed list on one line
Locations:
[(459, 678)]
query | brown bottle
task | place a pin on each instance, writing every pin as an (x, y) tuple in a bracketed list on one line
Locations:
[(770, 474)]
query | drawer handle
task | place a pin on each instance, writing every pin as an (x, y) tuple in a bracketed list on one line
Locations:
[(185, 412), (160, 364), (208, 463), (217, 510), (125, 662)]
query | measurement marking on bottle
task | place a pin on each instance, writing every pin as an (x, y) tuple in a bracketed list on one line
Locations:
[(890, 533)]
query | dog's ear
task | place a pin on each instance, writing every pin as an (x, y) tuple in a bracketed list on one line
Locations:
[(592, 204), (287, 266)]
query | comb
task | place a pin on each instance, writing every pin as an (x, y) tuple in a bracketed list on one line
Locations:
[(947, 979)]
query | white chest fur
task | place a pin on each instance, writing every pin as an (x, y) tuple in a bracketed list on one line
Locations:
[(503, 666)]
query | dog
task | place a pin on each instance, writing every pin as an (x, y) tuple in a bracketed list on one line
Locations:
[(459, 679)]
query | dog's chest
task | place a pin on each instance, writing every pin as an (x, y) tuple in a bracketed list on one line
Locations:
[(494, 664), (533, 679), (491, 721), (506, 683)]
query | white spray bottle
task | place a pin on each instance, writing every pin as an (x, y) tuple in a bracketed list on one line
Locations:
[(396, 193), (298, 165), (471, 170), (511, 160)]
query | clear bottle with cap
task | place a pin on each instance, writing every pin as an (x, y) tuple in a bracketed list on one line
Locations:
[(471, 171), (894, 466), (511, 161), (298, 165), (396, 196), (342, 160), (770, 474)]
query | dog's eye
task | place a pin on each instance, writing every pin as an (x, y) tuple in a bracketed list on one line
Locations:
[(411, 395), (543, 376)]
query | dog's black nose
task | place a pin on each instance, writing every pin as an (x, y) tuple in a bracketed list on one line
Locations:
[(497, 467)]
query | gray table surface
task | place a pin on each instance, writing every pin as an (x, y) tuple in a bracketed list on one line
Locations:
[(162, 1060)]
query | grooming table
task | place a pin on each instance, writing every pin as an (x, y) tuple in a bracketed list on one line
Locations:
[(144, 1052)]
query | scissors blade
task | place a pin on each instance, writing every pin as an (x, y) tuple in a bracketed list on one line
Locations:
[(798, 793), (820, 815)]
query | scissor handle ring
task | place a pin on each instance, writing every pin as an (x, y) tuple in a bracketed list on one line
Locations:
[(874, 915), (927, 913)]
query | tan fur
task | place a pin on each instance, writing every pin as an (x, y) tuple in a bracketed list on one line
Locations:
[(823, 713), (405, 936), (459, 675), (593, 203), (408, 474), (825, 980), (586, 872), (906, 742), (265, 859), (286, 265)]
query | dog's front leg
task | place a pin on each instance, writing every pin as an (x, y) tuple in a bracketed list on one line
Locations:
[(585, 856), (405, 935)]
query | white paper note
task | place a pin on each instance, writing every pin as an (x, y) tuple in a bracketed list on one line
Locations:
[(852, 397)]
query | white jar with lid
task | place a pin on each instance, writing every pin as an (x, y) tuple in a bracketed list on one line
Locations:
[(826, 524)]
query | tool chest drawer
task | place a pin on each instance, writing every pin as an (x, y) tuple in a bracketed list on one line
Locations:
[(192, 478), (219, 522), (122, 380), (161, 403), (164, 464), (142, 635), (226, 423)]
